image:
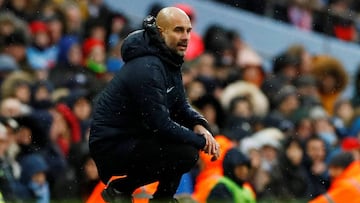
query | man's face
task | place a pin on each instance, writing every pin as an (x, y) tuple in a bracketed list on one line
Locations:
[(177, 34)]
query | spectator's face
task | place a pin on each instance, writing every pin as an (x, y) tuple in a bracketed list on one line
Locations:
[(243, 109), (39, 178), (316, 150), (209, 113), (6, 28), (253, 74), (19, 4), (305, 66), (73, 18), (42, 39), (176, 32), (23, 93), (16, 51), (255, 158), (24, 136), (335, 171), (328, 84), (290, 104), (75, 55), (58, 127), (305, 129), (82, 109), (117, 25), (356, 154), (345, 111), (290, 71), (268, 153), (188, 76), (98, 54), (11, 107), (205, 66), (323, 125), (294, 153), (98, 32), (42, 93), (55, 29), (242, 172), (195, 90)]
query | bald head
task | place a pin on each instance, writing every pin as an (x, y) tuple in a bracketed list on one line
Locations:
[(174, 26), (166, 16)]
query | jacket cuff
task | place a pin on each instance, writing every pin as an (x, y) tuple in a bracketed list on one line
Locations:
[(204, 123)]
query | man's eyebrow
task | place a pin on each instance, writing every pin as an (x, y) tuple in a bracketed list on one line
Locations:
[(182, 27)]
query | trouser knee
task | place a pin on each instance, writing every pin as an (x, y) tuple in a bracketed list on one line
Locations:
[(188, 158)]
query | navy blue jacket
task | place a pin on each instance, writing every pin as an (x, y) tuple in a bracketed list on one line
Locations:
[(145, 99)]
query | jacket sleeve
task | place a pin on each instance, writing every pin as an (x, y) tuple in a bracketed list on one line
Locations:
[(188, 116), (148, 89)]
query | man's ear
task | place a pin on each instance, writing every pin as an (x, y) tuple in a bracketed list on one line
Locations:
[(161, 30)]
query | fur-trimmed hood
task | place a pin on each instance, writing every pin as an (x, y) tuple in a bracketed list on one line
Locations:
[(328, 65), (242, 88)]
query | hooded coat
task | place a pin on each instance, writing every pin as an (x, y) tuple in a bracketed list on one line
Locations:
[(324, 65), (145, 100), (230, 188)]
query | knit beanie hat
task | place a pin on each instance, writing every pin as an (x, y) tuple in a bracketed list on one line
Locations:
[(343, 160), (38, 26), (350, 143), (89, 44)]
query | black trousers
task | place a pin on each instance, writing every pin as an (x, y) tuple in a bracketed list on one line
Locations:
[(145, 162)]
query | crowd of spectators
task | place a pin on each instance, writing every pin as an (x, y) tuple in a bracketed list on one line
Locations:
[(337, 18), (56, 55)]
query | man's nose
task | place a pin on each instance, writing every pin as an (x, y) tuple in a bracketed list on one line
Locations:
[(185, 36)]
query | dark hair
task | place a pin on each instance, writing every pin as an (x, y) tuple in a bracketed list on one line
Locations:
[(342, 160), (283, 60), (16, 38), (236, 100)]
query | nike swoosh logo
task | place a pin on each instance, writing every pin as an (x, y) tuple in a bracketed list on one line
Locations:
[(169, 89)]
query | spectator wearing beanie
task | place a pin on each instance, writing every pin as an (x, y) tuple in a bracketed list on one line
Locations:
[(33, 176), (71, 67), (352, 145), (41, 54), (233, 186), (286, 103), (251, 66), (15, 45), (94, 55)]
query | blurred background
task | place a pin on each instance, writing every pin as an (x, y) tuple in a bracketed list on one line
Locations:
[(277, 80)]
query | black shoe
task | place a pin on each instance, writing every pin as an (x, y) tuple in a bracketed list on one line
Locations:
[(111, 195)]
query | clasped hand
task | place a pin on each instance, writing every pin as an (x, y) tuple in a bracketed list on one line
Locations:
[(212, 147)]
